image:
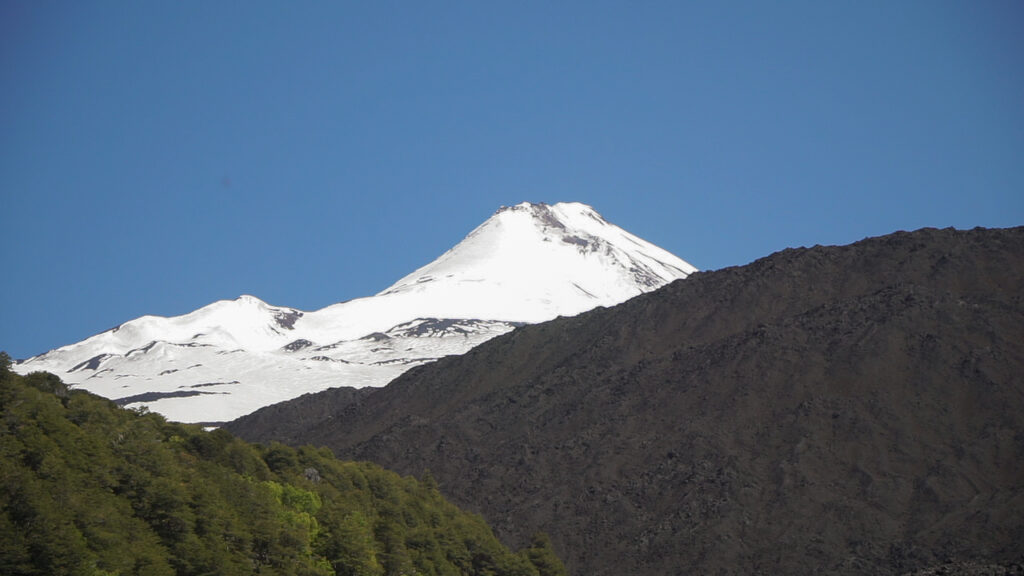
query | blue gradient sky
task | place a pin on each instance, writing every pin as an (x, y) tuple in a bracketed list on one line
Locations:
[(158, 156)]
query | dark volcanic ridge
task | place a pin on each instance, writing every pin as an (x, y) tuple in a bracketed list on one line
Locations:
[(849, 410)]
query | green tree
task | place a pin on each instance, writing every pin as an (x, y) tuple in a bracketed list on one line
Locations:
[(349, 546), (5, 363), (542, 555), (47, 383)]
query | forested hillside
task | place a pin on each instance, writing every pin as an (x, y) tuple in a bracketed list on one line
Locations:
[(89, 488)]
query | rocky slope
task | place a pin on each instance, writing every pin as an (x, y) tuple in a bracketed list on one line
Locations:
[(848, 410)]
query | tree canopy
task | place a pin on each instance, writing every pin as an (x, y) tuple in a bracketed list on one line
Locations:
[(90, 488)]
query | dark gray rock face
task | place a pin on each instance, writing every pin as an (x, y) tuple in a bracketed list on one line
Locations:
[(289, 421), (848, 410)]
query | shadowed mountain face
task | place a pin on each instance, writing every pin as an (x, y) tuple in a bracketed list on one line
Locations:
[(855, 409)]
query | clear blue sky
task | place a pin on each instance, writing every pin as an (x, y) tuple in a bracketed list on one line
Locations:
[(158, 156)]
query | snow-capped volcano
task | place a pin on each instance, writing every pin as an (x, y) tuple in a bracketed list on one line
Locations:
[(527, 263)]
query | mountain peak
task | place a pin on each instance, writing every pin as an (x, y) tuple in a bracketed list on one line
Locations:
[(526, 263), (534, 261), (553, 215), (522, 206), (249, 299), (551, 219)]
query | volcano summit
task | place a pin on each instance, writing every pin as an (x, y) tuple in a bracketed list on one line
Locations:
[(525, 264)]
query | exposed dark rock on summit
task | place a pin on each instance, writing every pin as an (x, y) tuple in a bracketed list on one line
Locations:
[(849, 410)]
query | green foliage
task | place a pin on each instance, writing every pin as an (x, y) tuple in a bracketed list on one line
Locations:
[(5, 363), (542, 556), (47, 383), (88, 488)]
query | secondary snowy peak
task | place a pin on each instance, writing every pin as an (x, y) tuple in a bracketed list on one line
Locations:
[(526, 263), (245, 321)]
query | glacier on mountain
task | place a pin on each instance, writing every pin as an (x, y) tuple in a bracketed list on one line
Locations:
[(527, 263)]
